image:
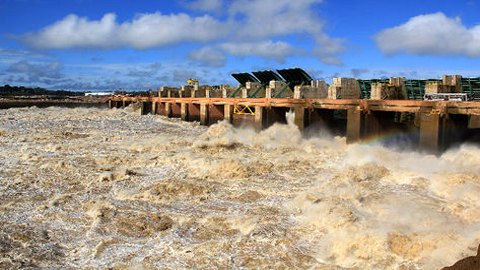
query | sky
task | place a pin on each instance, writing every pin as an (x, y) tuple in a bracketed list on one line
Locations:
[(144, 44)]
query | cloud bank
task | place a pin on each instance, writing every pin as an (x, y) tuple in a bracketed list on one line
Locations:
[(248, 28), (144, 32), (431, 34)]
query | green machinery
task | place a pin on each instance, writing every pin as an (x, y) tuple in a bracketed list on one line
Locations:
[(296, 76), (264, 77), (366, 86), (293, 77), (471, 86), (242, 78), (416, 88)]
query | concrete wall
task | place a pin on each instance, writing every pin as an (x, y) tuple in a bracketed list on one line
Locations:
[(307, 91), (344, 88), (394, 90)]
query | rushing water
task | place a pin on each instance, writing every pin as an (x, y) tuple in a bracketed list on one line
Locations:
[(95, 188)]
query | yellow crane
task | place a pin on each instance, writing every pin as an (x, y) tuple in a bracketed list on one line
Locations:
[(192, 82)]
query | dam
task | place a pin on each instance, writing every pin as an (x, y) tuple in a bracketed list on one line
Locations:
[(438, 124), (435, 114)]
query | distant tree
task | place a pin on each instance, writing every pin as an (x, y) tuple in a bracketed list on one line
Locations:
[(8, 90)]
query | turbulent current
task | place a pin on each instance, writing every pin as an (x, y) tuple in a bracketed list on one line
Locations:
[(97, 188)]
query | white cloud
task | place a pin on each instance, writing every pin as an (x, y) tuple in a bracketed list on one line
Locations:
[(247, 30), (206, 5), (266, 18), (267, 49), (270, 18), (145, 31), (431, 34), (209, 56)]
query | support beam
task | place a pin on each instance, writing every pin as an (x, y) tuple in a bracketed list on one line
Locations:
[(430, 131), (299, 117), (184, 111), (168, 109), (354, 125), (227, 112), (154, 108), (259, 118), (203, 114)]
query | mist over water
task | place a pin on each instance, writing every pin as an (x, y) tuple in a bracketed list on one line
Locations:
[(96, 188)]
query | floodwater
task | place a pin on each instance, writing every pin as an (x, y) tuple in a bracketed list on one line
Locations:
[(96, 188)]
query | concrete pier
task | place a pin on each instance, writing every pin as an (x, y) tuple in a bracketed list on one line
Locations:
[(203, 114), (184, 111), (431, 126), (439, 124)]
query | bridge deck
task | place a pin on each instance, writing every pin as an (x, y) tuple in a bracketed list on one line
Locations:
[(443, 107)]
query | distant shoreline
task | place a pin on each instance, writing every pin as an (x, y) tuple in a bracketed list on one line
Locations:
[(43, 101)]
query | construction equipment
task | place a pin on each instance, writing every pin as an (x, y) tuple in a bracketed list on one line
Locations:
[(293, 77), (264, 77), (192, 82), (447, 97), (243, 79)]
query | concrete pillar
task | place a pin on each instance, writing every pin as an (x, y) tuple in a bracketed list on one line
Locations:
[(299, 117), (354, 125), (123, 104), (184, 111), (110, 104), (168, 109), (203, 114), (154, 108), (430, 131), (244, 93), (227, 112), (259, 118), (297, 93), (268, 92)]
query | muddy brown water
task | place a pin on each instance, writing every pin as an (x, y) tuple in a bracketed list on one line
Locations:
[(96, 188)]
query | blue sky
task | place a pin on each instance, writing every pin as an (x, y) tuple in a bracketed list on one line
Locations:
[(142, 44)]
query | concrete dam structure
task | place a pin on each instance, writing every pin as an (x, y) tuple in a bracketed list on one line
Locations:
[(449, 116)]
